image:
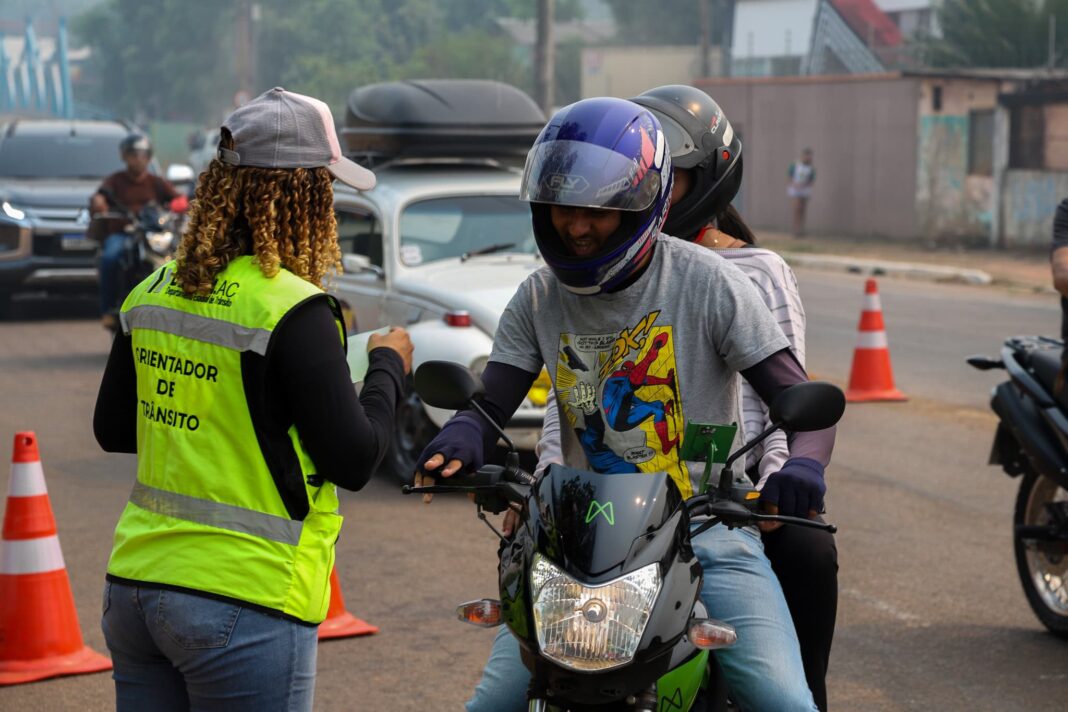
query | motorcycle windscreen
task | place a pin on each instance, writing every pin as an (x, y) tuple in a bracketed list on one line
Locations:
[(592, 519)]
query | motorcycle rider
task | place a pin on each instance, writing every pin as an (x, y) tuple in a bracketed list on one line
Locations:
[(599, 180), (707, 158), (132, 188)]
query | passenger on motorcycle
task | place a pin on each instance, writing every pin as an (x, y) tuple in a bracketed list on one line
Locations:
[(707, 158), (133, 188), (641, 333)]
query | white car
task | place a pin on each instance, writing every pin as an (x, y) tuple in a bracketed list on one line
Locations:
[(440, 250)]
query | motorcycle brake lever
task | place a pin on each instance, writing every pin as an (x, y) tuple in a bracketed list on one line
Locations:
[(798, 521), (446, 489)]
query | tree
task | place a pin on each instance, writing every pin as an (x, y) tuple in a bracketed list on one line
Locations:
[(175, 59), (671, 22), (162, 59), (997, 33)]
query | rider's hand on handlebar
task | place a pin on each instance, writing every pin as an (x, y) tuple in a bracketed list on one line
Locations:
[(434, 464), (457, 447), (398, 340), (510, 521), (797, 489), (98, 204)]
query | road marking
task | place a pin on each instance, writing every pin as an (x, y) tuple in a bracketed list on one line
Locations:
[(909, 619)]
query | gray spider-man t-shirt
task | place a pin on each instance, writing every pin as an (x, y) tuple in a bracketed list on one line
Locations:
[(631, 368)]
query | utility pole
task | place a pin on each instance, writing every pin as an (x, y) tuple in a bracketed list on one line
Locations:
[(705, 14), (244, 63), (1052, 41), (545, 57)]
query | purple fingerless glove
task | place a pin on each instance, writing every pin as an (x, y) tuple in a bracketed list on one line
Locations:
[(460, 439), (797, 488)]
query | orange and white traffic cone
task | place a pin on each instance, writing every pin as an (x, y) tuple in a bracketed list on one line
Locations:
[(339, 622), (871, 378), (39, 633)]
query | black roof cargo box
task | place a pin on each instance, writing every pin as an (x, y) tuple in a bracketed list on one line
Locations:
[(440, 118)]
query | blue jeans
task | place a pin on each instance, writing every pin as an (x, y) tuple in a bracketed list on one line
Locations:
[(110, 272), (178, 651), (763, 668)]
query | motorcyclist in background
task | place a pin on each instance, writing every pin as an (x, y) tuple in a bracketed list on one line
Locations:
[(132, 189)]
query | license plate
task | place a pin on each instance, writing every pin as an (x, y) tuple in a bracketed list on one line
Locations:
[(76, 241)]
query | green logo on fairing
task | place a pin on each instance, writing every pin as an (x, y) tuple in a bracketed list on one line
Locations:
[(598, 508)]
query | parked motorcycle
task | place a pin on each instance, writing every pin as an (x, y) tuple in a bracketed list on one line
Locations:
[(1031, 442), (153, 236), (600, 584)]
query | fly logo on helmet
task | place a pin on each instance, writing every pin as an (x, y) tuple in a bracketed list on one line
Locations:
[(566, 183)]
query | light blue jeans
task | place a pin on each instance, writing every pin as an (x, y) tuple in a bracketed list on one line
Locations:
[(176, 651), (764, 668)]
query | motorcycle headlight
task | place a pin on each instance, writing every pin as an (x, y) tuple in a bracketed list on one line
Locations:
[(160, 242), (591, 628)]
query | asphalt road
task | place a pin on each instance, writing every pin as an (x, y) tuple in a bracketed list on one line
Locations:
[(931, 615)]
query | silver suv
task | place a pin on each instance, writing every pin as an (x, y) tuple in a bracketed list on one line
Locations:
[(48, 170), (443, 241)]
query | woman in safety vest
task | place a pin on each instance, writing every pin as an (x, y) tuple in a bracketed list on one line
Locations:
[(229, 381)]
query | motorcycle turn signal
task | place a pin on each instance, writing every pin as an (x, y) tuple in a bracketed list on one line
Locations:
[(710, 634), (484, 613)]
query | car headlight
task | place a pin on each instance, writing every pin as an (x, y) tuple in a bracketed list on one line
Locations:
[(591, 627), (539, 392), (160, 242), (12, 212)]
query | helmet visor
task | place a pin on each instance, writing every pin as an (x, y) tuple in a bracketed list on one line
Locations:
[(585, 175), (680, 142)]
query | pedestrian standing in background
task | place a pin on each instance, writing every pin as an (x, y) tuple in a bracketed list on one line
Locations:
[(1059, 261), (230, 382), (801, 176)]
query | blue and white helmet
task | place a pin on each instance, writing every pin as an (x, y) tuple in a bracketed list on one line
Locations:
[(599, 153)]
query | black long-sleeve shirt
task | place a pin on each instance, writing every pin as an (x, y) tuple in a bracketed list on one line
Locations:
[(303, 380), (507, 385)]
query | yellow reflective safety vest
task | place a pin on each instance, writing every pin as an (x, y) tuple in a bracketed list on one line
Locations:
[(205, 513)]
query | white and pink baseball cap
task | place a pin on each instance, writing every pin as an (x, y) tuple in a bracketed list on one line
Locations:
[(280, 129)]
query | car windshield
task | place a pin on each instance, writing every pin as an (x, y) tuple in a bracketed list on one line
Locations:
[(59, 156), (444, 228)]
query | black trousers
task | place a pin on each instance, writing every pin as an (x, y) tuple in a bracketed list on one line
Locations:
[(806, 562)]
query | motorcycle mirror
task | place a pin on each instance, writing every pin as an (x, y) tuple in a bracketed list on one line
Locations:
[(814, 405), (444, 384), (984, 363), (180, 204)]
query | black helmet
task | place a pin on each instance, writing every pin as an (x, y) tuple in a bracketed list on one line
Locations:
[(135, 142), (701, 139)]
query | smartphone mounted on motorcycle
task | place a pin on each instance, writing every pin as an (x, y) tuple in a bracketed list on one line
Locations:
[(814, 405), (444, 384)]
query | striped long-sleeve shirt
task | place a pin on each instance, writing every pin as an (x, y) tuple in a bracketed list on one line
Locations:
[(777, 285)]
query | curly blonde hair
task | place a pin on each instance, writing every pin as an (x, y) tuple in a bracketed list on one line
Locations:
[(283, 217)]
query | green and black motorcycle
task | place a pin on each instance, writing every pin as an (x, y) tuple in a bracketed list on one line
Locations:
[(600, 584)]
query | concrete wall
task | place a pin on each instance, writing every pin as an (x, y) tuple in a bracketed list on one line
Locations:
[(862, 130), (628, 71), (949, 201), (1056, 156), (1029, 201)]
